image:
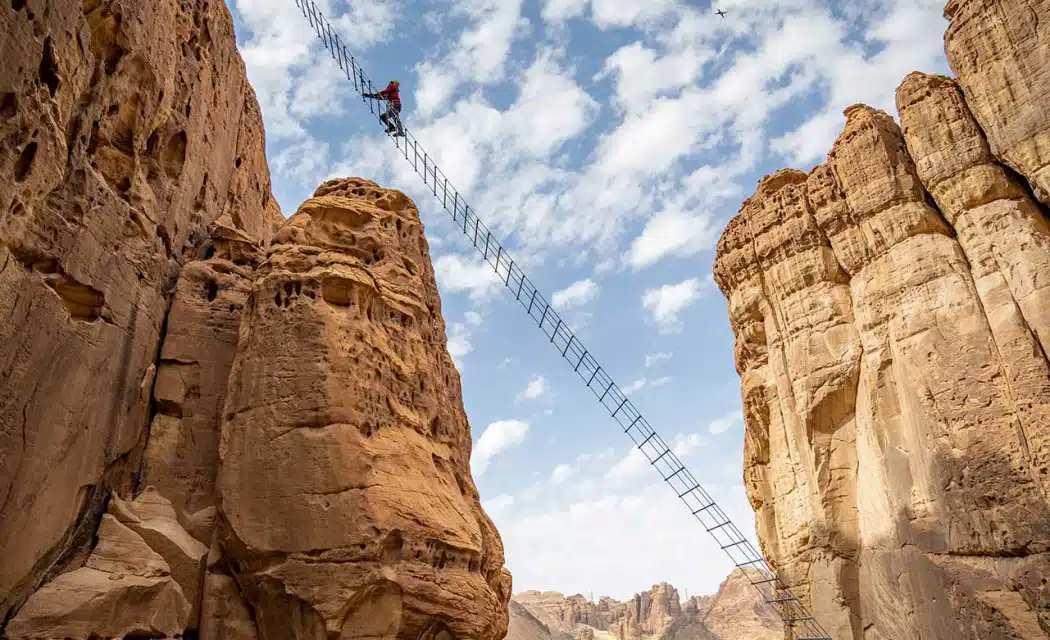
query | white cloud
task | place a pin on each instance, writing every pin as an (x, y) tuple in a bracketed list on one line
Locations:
[(498, 505), (672, 233), (497, 438), (561, 473), (536, 387), (635, 386), (459, 344), (629, 467), (575, 295), (685, 444), (725, 423), (641, 74), (665, 304), (462, 274), (550, 109), (646, 383), (561, 10), (653, 359), (473, 318)]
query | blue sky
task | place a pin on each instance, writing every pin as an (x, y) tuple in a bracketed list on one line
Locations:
[(608, 142)]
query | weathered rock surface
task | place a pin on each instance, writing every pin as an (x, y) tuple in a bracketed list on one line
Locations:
[(127, 128), (648, 613), (891, 312), (735, 612), (1000, 50), (125, 587), (346, 504)]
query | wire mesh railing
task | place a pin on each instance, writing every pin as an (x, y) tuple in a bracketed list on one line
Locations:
[(661, 456)]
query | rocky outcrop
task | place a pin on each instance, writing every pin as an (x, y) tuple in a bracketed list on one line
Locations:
[(127, 129), (565, 613), (735, 612), (648, 613), (203, 434), (346, 503), (1000, 51), (890, 311)]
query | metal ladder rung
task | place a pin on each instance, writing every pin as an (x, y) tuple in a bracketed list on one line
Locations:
[(734, 544), (719, 526), (680, 470), (692, 489), (788, 598), (659, 457)]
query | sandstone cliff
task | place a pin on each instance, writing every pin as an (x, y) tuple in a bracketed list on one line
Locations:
[(127, 129), (735, 612), (891, 317), (204, 433), (347, 506)]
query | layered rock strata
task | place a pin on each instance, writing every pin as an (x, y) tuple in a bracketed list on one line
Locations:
[(346, 504), (127, 129), (890, 310)]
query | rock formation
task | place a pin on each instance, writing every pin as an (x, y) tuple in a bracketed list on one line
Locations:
[(347, 506), (736, 612), (891, 318), (127, 129), (204, 433)]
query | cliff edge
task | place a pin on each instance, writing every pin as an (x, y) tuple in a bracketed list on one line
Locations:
[(892, 312)]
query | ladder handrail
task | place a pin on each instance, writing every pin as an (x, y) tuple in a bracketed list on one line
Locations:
[(660, 455)]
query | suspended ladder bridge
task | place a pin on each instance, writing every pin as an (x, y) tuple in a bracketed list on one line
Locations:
[(741, 552)]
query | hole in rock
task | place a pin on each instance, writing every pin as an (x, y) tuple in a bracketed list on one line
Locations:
[(211, 290), (8, 105), (174, 156), (24, 164), (49, 68)]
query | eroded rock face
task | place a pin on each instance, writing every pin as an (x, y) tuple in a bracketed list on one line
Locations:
[(346, 502), (142, 577), (1000, 50), (127, 128), (890, 317)]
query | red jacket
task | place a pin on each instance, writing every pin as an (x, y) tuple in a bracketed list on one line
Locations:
[(392, 94)]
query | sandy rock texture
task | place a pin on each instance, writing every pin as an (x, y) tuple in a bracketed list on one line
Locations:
[(126, 129), (890, 310), (1000, 51), (735, 612), (345, 498)]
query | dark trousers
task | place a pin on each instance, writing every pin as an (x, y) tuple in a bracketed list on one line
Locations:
[(392, 118)]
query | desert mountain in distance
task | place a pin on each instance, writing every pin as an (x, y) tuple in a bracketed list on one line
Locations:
[(735, 612)]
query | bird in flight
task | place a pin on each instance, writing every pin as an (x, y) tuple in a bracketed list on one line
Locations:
[(721, 14)]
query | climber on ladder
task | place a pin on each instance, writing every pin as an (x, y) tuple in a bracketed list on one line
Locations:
[(392, 116)]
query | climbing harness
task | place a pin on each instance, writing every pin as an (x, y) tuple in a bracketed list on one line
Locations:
[(743, 554)]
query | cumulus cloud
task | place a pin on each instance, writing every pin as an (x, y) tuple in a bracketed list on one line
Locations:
[(671, 233), (561, 473), (665, 304), (536, 388), (466, 274), (575, 295), (497, 438), (459, 344)]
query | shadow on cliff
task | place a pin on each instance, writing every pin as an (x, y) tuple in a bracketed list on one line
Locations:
[(973, 567)]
